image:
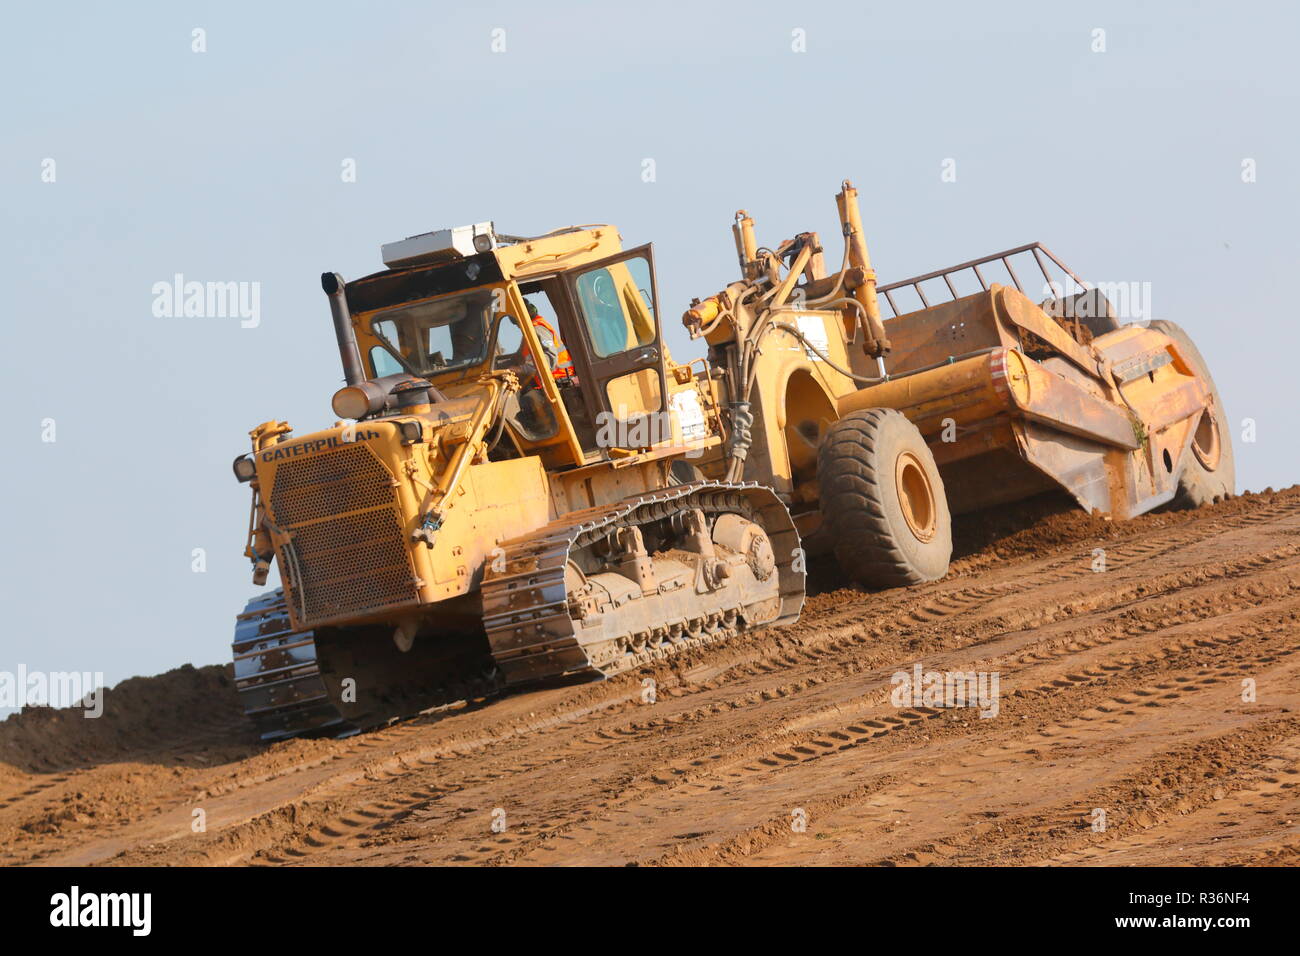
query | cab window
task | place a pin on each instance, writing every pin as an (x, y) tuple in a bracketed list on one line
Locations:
[(509, 352), (616, 306), (383, 362), (429, 338)]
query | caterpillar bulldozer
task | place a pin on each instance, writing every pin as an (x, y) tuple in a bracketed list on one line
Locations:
[(524, 487)]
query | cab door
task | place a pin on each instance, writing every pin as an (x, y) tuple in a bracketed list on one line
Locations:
[(620, 360)]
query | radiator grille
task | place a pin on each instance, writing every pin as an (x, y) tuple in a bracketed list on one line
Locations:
[(347, 554), (349, 479)]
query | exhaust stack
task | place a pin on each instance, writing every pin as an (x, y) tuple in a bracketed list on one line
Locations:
[(353, 371)]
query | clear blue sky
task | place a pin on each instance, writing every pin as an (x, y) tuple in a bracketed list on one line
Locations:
[(225, 166)]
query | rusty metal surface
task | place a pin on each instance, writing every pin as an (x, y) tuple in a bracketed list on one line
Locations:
[(1108, 417), (949, 329), (1052, 400), (964, 392), (1013, 307), (1077, 464)]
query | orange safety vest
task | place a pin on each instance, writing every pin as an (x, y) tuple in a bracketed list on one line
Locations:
[(563, 361)]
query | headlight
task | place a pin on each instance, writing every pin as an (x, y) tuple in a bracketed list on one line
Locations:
[(245, 468), (412, 432)]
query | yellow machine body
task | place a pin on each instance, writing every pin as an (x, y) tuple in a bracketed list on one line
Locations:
[(525, 486), (1011, 400), (343, 507)]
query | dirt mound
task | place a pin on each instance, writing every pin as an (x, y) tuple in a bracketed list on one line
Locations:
[(1039, 525), (1118, 692), (140, 715), (146, 714), (1052, 521)]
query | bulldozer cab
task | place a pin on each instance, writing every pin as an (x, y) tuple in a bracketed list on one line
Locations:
[(585, 342)]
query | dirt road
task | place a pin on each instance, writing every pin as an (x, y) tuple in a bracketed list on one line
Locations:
[(1125, 732)]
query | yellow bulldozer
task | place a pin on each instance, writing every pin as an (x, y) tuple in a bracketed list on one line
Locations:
[(523, 487)]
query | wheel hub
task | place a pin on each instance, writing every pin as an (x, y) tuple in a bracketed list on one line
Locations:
[(1205, 441), (915, 496)]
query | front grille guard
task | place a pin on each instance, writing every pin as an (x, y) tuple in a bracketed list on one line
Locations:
[(296, 583)]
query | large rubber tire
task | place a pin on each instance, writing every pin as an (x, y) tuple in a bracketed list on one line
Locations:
[(882, 500), (1198, 485)]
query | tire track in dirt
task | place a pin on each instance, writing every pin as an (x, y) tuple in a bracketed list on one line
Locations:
[(420, 800), (801, 699), (896, 806), (762, 777), (1194, 828), (622, 733)]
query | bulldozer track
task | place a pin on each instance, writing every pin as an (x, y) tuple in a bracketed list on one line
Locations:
[(278, 671), (280, 677), (526, 609)]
